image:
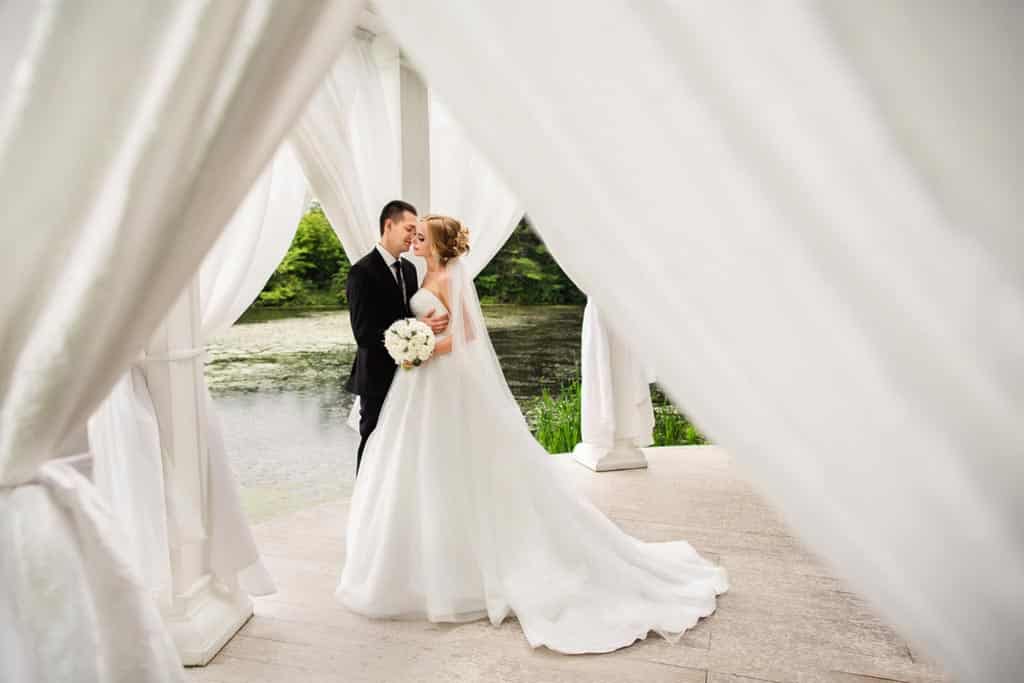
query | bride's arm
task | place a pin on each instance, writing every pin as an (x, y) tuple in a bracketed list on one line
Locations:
[(444, 346)]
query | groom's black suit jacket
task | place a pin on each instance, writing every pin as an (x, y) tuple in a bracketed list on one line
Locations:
[(374, 302)]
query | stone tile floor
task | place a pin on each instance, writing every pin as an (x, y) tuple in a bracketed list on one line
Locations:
[(786, 619)]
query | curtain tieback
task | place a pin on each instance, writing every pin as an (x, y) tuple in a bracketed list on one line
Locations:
[(35, 479)]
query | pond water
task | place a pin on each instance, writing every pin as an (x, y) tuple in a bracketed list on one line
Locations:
[(277, 382)]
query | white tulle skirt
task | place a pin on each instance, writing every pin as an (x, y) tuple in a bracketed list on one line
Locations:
[(459, 514)]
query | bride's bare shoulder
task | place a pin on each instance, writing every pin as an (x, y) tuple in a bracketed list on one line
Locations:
[(437, 284), (440, 288)]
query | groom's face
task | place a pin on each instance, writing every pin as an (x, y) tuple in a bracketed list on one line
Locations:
[(399, 232)]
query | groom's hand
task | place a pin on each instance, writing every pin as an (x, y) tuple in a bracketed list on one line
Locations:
[(437, 323)]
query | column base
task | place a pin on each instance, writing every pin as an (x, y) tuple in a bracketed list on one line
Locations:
[(204, 620), (625, 456)]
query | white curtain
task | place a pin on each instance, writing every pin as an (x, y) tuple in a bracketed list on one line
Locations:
[(346, 144), (124, 437), (464, 184), (128, 136), (128, 472), (231, 277), (615, 396), (253, 243), (802, 212)]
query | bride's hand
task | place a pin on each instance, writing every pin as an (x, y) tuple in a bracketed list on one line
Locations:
[(437, 323)]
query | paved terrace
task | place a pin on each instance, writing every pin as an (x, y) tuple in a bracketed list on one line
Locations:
[(786, 619)]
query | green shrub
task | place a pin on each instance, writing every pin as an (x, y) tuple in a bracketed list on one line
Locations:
[(673, 429), (282, 289)]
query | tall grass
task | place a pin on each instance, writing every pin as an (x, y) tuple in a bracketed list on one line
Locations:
[(673, 429), (556, 423)]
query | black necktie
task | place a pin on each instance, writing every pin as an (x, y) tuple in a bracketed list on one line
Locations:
[(397, 265)]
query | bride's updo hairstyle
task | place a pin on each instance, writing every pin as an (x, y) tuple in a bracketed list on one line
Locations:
[(449, 237)]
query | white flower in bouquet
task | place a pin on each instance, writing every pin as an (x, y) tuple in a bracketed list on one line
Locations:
[(410, 342)]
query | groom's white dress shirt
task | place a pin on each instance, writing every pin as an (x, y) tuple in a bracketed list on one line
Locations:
[(388, 259)]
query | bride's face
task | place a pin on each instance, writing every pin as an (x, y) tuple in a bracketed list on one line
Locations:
[(421, 242)]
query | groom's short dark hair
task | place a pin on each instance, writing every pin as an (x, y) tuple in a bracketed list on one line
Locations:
[(394, 209)]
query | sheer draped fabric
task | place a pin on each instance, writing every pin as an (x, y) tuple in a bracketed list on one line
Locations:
[(253, 243), (464, 184), (812, 210), (348, 150), (128, 472), (347, 145), (124, 438), (231, 277), (615, 396), (153, 120)]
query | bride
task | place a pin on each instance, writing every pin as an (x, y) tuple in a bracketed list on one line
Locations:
[(459, 514)]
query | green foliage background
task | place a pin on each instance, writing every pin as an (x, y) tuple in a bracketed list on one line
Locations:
[(314, 271), (524, 272)]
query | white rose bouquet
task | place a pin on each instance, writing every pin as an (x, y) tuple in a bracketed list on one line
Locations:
[(410, 342)]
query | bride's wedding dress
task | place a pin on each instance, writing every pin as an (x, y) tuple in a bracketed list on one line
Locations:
[(458, 514)]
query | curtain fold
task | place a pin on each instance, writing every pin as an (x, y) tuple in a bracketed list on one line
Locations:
[(231, 277), (253, 243), (124, 437), (128, 472), (347, 148), (151, 121), (464, 184), (811, 212)]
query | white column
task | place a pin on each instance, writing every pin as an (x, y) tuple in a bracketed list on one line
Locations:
[(203, 614), (389, 61), (415, 121), (617, 414)]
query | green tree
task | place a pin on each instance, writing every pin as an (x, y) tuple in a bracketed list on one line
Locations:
[(313, 271), (524, 272)]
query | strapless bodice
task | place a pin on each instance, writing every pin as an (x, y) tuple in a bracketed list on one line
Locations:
[(423, 301)]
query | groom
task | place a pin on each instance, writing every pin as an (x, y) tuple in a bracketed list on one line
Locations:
[(379, 288)]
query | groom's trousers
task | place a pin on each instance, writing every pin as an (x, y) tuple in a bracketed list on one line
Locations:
[(369, 413)]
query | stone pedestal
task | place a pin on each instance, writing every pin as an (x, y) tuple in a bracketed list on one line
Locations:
[(204, 618), (624, 456)]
